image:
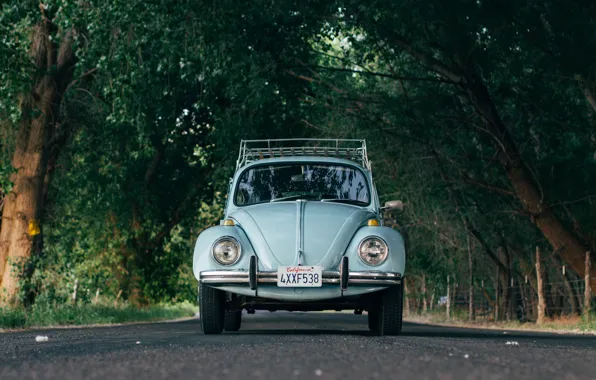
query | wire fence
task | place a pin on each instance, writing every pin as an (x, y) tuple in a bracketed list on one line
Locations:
[(520, 300)]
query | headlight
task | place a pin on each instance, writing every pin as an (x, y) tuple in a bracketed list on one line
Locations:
[(373, 251), (226, 251)]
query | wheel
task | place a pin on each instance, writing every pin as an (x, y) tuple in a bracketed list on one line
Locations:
[(211, 307), (233, 320), (373, 320), (385, 317)]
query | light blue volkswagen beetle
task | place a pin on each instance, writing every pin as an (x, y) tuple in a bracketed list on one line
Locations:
[(302, 232)]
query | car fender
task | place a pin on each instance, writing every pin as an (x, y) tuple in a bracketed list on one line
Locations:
[(203, 257), (396, 259)]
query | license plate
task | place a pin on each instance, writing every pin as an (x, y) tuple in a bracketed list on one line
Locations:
[(300, 277)]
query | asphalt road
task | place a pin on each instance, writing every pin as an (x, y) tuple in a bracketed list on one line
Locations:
[(287, 346)]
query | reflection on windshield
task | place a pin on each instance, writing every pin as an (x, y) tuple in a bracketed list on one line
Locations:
[(317, 182)]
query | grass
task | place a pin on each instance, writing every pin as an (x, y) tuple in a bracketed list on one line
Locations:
[(575, 324), (47, 314)]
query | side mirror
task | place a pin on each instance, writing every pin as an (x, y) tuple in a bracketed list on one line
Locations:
[(397, 206)]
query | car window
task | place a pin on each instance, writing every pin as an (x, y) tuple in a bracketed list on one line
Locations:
[(317, 182)]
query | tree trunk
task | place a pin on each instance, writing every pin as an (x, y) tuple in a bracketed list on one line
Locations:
[(570, 247), (40, 111)]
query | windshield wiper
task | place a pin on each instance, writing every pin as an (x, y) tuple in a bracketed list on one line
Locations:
[(294, 197), (348, 201)]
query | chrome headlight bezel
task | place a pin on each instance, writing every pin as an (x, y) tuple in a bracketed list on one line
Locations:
[(382, 241), (230, 239)]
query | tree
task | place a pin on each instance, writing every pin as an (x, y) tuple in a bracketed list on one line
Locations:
[(53, 59)]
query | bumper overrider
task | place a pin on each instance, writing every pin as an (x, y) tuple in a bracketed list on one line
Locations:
[(344, 277)]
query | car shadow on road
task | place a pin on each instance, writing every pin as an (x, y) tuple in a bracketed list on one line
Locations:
[(311, 332)]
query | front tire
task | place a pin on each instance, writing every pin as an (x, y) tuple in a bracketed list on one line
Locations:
[(385, 317), (373, 319), (233, 320), (211, 309)]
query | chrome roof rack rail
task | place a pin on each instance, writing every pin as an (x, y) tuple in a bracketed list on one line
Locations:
[(351, 149)]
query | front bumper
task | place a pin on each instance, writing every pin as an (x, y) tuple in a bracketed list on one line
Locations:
[(236, 277)]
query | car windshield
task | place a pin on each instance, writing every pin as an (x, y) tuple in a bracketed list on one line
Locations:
[(318, 182)]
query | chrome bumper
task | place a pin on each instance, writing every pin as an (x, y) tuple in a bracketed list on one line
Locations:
[(240, 277)]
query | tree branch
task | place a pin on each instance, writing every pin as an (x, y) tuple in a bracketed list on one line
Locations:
[(587, 90), (574, 201), (466, 221), (487, 249), (481, 184), (427, 60)]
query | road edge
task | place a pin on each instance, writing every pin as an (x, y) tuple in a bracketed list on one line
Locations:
[(503, 328), (92, 325)]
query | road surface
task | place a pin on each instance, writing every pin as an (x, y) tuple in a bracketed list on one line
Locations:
[(287, 346)]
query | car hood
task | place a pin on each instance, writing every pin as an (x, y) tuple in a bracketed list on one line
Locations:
[(322, 229)]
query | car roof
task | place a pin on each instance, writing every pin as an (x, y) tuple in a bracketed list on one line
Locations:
[(309, 159)]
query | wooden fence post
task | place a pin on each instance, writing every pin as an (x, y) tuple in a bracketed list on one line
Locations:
[(74, 291), (448, 308), (540, 289), (588, 292), (424, 295)]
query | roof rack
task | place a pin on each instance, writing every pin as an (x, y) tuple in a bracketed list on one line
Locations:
[(351, 149)]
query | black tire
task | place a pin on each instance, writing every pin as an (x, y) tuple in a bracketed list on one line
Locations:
[(385, 318), (373, 319), (211, 309), (233, 320)]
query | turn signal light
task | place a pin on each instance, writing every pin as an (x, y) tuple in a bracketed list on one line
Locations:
[(373, 223), (229, 222)]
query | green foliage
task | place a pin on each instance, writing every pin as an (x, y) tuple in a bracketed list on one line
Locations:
[(44, 313), (16, 68), (162, 94)]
